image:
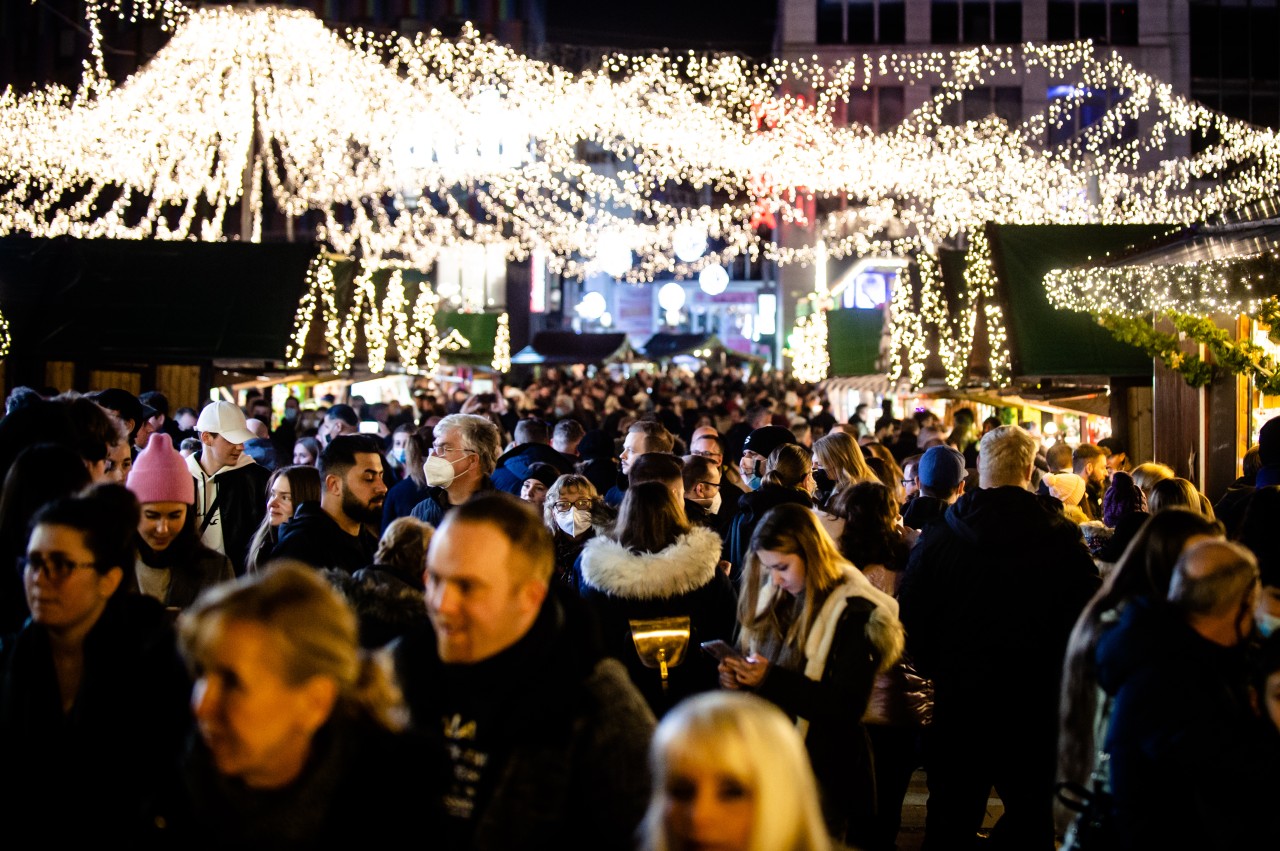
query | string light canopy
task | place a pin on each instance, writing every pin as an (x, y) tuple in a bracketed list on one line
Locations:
[(400, 146)]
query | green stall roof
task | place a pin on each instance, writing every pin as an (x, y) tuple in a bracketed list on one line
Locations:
[(1043, 339), (853, 340)]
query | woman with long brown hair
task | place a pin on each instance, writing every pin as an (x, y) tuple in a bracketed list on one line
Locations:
[(816, 632)]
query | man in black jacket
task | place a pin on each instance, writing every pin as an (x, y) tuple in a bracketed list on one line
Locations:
[(988, 600), (335, 531), (546, 739), (1192, 764), (231, 489)]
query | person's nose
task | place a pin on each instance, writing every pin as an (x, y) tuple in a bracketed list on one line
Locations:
[(163, 526), (776, 578)]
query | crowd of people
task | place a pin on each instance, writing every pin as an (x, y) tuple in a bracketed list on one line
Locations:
[(661, 612)]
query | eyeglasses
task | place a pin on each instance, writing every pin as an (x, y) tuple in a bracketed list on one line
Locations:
[(583, 503), (444, 448), (55, 568), (907, 482), (710, 484), (707, 453)]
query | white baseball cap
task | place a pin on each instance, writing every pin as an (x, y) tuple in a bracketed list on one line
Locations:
[(225, 419)]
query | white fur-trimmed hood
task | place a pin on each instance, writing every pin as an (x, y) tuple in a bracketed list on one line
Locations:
[(681, 568)]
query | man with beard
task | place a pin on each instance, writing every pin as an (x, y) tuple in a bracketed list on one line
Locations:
[(336, 531)]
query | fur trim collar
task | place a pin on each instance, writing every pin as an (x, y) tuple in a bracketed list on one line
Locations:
[(681, 568)]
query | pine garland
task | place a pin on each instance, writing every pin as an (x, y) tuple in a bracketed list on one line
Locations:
[(1230, 356)]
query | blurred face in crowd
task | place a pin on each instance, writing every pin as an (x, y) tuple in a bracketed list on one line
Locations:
[(708, 808), (119, 463), (535, 492), (363, 490), (220, 452), (910, 483), (632, 447), (302, 456), (707, 449), (479, 596), (161, 522), (280, 501), (785, 570), (64, 591), (752, 464), (257, 726)]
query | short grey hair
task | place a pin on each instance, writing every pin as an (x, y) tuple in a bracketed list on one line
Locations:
[(478, 435), (1004, 457)]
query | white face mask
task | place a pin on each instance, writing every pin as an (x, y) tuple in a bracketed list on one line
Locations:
[(439, 472), (716, 502), (573, 522)]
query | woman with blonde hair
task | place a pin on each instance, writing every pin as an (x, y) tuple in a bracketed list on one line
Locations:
[(290, 711), (1178, 493), (730, 772), (1147, 476), (816, 633), (839, 459)]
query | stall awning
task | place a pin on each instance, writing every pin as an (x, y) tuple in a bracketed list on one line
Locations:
[(566, 347), (668, 345), (1046, 341), (854, 340), (125, 300)]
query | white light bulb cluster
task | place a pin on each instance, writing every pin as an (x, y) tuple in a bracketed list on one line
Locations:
[(262, 106)]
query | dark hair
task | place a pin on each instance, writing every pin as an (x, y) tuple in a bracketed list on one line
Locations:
[(655, 467), (340, 455), (568, 431), (870, 535), (1058, 456), (39, 474), (649, 519), (304, 486), (696, 469), (1084, 453), (155, 399), (107, 516), (346, 413), (96, 432), (1257, 531), (1143, 571), (518, 522)]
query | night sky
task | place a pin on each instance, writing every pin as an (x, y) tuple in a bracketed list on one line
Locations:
[(745, 26)]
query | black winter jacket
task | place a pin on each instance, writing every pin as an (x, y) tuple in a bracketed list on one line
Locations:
[(751, 508), (571, 731), (513, 467), (242, 503), (680, 581), (313, 537), (88, 777), (989, 599), (1192, 763)]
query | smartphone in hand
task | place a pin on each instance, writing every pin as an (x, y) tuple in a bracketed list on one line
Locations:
[(722, 650)]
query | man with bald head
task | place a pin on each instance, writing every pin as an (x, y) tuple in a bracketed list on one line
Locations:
[(1187, 745), (543, 737)]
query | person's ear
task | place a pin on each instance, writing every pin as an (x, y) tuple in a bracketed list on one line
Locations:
[(333, 484), (108, 582)]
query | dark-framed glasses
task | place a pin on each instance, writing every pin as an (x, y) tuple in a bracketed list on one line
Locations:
[(55, 567), (583, 503)]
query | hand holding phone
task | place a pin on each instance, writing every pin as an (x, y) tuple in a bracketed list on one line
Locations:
[(722, 650)]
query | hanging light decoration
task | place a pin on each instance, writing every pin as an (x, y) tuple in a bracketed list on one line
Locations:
[(713, 279)]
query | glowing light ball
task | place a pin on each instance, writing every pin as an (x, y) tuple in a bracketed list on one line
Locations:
[(613, 255), (713, 279), (689, 242), (592, 306), (671, 297)]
